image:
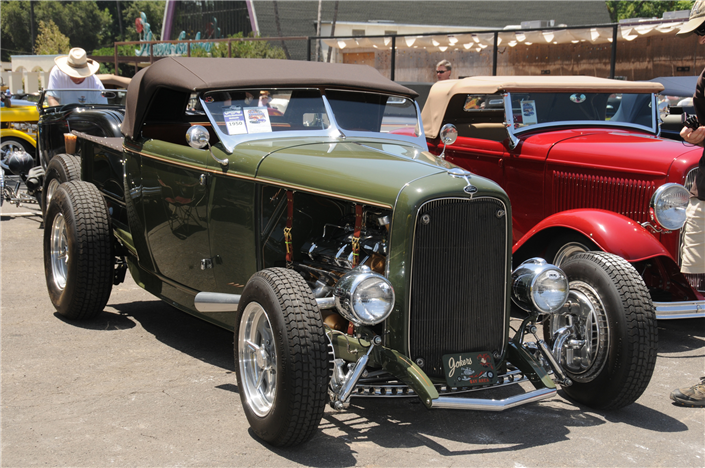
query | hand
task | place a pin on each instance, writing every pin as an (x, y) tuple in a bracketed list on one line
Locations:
[(696, 137)]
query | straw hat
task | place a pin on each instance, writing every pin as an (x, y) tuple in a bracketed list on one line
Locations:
[(697, 17), (76, 64)]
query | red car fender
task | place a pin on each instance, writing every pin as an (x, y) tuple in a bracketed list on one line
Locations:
[(611, 231)]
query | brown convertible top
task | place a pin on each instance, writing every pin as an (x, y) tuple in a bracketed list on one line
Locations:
[(443, 91), (191, 74)]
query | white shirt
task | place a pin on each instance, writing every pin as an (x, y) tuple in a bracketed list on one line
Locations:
[(60, 80)]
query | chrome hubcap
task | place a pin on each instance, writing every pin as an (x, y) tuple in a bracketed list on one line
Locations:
[(59, 251), (257, 359), (582, 333), (51, 188)]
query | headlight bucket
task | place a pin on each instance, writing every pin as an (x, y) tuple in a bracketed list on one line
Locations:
[(668, 204), (364, 297), (539, 286)]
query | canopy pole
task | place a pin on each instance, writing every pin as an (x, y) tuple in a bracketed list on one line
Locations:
[(613, 58), (394, 54), (494, 54)]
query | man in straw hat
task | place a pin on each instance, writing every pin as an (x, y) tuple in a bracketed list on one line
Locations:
[(693, 246), (74, 72)]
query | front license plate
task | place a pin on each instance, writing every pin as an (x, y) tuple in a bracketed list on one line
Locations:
[(469, 369)]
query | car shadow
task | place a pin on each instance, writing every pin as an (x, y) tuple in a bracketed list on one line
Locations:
[(678, 336), (178, 330), (400, 423)]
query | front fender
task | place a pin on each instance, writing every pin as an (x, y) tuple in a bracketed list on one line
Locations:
[(8, 132), (610, 231)]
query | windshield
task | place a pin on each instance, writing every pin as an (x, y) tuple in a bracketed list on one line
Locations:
[(529, 109), (241, 114), (61, 97)]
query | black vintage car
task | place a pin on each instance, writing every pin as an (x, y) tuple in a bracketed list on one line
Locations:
[(296, 204)]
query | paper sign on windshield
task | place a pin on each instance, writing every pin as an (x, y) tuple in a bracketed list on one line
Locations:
[(235, 121), (257, 119), (528, 112)]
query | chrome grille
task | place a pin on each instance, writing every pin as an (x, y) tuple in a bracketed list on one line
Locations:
[(629, 197), (458, 280)]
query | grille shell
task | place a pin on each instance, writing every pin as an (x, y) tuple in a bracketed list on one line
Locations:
[(458, 287)]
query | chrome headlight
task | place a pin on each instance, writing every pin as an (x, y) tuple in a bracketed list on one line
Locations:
[(668, 204), (537, 285), (364, 297)]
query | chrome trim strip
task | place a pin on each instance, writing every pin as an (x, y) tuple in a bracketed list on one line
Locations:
[(212, 302), (209, 302), (679, 310), (260, 180), (479, 404)]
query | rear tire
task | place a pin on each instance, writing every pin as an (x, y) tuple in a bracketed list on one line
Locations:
[(281, 352), (62, 168), (78, 253), (9, 144), (617, 321)]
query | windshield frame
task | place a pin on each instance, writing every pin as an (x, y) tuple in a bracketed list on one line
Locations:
[(513, 131), (333, 133), (43, 104)]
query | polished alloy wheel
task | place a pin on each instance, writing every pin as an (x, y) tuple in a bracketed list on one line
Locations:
[(59, 251), (51, 188), (257, 359)]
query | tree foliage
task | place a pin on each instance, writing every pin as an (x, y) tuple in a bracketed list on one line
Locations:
[(50, 41), (82, 22), (244, 49), (643, 9)]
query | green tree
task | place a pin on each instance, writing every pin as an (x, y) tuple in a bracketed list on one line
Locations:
[(155, 16), (50, 41), (82, 22), (643, 9), (243, 49)]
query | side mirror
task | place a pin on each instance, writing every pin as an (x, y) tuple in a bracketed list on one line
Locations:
[(448, 136), (198, 137)]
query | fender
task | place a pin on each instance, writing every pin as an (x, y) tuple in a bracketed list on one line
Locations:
[(8, 132), (610, 231)]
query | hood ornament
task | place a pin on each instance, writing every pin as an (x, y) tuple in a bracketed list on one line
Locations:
[(463, 174)]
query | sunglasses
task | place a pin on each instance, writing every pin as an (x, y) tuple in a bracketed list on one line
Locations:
[(701, 30), (441, 71)]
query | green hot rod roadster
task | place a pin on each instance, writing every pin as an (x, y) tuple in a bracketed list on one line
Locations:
[(296, 204)]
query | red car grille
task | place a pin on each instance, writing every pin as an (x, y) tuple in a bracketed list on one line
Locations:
[(629, 197)]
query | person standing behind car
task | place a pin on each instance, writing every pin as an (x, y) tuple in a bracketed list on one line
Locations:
[(693, 247), (75, 72), (443, 70)]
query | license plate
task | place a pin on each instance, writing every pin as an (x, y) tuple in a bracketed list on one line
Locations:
[(469, 369)]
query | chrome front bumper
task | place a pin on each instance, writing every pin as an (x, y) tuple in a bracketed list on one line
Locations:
[(679, 310), (479, 404)]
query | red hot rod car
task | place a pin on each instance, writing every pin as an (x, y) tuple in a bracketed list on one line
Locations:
[(584, 167)]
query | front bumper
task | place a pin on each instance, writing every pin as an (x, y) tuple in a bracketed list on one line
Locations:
[(679, 310)]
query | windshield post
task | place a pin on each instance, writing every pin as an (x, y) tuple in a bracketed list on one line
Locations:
[(509, 120)]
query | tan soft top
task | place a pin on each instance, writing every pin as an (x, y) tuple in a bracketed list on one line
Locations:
[(441, 92)]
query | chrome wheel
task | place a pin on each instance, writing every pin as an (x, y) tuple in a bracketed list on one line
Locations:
[(257, 359), (51, 188), (8, 146), (59, 252), (581, 335), (567, 251)]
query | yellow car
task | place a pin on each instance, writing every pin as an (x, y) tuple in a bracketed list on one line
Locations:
[(19, 127)]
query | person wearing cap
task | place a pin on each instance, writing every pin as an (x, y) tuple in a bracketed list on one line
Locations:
[(74, 73), (693, 245)]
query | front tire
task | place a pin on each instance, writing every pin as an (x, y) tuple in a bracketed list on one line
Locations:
[(78, 256), (62, 168), (612, 314), (10, 144), (281, 352)]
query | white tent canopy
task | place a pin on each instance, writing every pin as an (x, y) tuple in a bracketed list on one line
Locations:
[(479, 41)]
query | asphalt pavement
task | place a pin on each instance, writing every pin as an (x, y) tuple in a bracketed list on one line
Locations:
[(145, 385)]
